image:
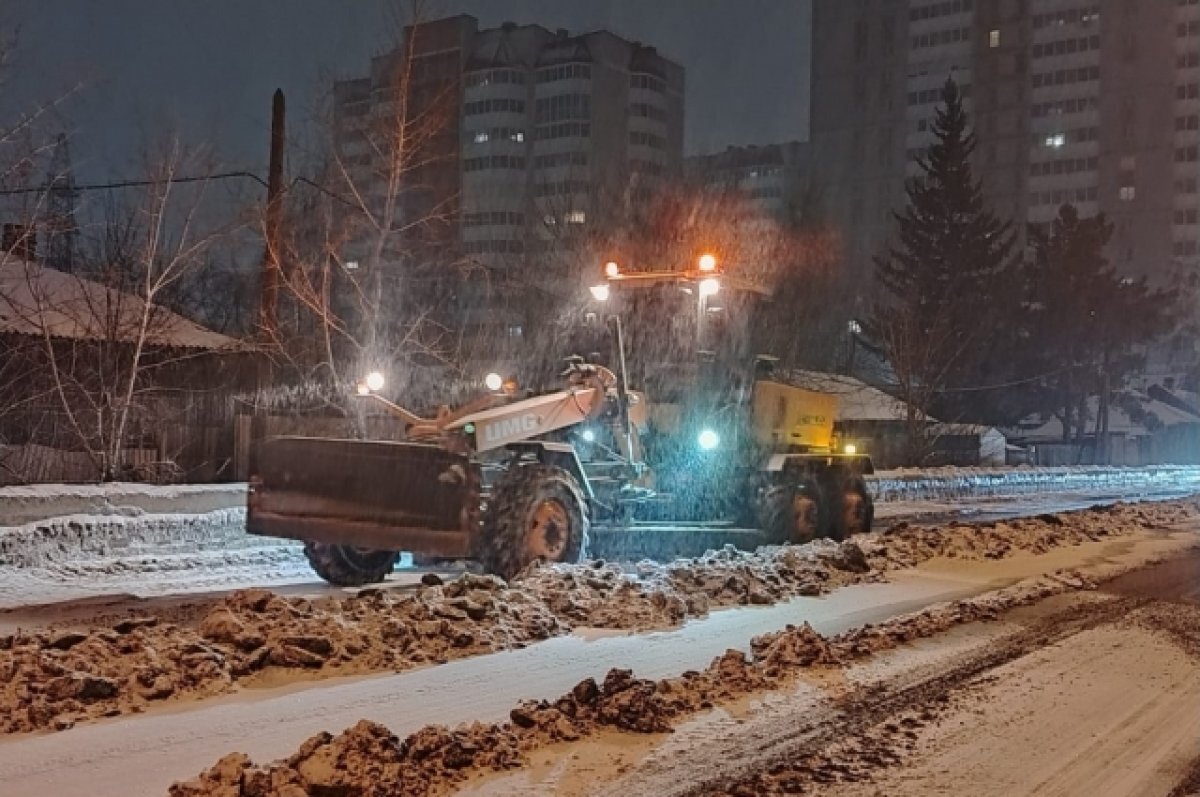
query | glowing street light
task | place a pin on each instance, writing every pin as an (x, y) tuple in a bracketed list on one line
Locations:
[(493, 381), (611, 269), (599, 292), (708, 440), (708, 262), (375, 381), (710, 286)]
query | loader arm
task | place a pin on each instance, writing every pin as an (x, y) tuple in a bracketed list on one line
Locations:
[(529, 418)]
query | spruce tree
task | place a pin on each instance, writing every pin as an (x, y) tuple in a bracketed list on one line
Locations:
[(1089, 322), (944, 276)]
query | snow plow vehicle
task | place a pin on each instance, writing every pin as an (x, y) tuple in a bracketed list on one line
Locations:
[(508, 480)]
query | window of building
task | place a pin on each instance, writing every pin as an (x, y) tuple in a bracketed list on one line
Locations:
[(644, 111), (489, 218), (1187, 91), (495, 105), (1187, 154), (558, 159), (640, 80), (494, 76), (563, 130), (994, 39), (562, 187), (1188, 185), (638, 138), (942, 9), (1187, 216), (575, 217), (1061, 77), (493, 162), (563, 108), (1070, 16), (497, 134), (494, 247), (941, 37), (1066, 46), (551, 74)]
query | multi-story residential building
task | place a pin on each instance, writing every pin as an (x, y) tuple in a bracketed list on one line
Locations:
[(772, 176), (1093, 102), (543, 128)]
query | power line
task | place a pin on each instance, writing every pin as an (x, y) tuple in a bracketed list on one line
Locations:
[(140, 183), (190, 179)]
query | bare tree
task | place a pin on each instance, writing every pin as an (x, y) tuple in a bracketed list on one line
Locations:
[(369, 259)]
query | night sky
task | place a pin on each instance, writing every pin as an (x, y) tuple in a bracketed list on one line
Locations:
[(209, 67)]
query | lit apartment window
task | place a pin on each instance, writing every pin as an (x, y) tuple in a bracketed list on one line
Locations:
[(994, 39), (1055, 141), (575, 217), (1127, 193), (481, 137)]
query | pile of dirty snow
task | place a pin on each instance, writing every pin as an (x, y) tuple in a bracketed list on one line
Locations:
[(367, 757), (55, 678)]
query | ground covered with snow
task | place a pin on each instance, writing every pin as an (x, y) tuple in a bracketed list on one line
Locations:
[(57, 678)]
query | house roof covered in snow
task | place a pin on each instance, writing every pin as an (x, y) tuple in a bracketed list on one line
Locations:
[(857, 401), (37, 301), (1119, 421)]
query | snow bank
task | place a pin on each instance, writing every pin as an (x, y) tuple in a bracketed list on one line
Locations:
[(46, 542), (25, 504), (972, 483)]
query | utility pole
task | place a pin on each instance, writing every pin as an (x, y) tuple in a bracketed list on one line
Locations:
[(273, 251), (62, 200)]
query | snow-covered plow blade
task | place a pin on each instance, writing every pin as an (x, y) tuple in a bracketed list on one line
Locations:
[(364, 493)]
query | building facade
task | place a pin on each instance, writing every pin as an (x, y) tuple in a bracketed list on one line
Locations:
[(1092, 102), (540, 129), (774, 176)]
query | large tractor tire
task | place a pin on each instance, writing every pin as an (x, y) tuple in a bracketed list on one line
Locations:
[(792, 514), (347, 566), (855, 509), (536, 513)]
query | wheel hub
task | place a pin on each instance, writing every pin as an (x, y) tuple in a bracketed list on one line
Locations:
[(853, 513), (546, 537), (804, 518)]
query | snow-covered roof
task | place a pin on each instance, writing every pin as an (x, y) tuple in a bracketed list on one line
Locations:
[(952, 429), (35, 300), (857, 401), (1119, 421)]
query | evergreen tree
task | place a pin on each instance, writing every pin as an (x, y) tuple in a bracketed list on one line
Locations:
[(944, 279), (1088, 321)]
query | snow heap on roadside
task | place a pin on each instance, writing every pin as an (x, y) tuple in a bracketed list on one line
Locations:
[(56, 678)]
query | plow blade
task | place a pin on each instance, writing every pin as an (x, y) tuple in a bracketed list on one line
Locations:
[(365, 493)]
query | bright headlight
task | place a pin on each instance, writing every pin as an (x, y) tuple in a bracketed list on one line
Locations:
[(493, 381), (708, 440)]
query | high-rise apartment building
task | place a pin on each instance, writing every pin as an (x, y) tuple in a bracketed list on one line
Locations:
[(773, 176), (543, 128), (1093, 102)]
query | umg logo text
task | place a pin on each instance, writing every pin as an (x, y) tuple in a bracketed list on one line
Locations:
[(510, 427)]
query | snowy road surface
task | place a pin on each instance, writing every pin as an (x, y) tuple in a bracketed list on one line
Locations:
[(143, 754)]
